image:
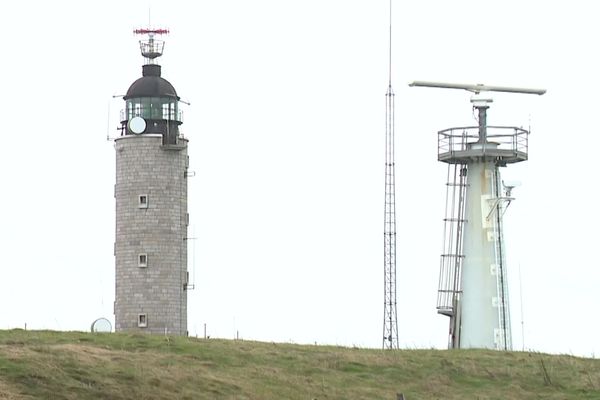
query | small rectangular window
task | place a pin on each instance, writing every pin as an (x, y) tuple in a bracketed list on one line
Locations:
[(142, 260), (165, 112), (142, 321), (143, 201)]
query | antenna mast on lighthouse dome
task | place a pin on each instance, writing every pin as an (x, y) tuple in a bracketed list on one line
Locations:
[(150, 47)]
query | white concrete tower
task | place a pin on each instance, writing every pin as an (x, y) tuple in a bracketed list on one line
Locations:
[(151, 204), (473, 285)]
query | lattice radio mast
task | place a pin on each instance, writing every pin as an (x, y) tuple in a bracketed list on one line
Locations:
[(390, 315)]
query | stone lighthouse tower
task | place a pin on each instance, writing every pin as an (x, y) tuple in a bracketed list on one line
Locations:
[(151, 204)]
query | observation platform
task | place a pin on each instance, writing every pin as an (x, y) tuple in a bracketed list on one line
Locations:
[(462, 145)]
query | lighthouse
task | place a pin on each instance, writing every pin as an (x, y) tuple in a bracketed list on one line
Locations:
[(151, 277)]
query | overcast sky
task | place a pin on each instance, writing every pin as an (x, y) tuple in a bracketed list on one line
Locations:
[(286, 129)]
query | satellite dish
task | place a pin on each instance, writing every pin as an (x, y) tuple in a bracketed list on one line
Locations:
[(101, 325), (137, 125)]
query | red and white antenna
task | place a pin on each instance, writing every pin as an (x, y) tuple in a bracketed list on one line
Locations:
[(150, 47)]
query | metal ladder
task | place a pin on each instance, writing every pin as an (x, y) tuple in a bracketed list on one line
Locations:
[(451, 259)]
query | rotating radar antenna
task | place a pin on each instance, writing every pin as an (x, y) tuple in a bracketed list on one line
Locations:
[(477, 88), (479, 100)]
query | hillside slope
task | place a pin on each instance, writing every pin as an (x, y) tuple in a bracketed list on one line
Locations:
[(73, 365)]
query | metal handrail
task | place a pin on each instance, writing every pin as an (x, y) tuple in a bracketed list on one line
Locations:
[(459, 138)]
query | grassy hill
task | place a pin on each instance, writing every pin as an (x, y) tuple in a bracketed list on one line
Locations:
[(73, 365)]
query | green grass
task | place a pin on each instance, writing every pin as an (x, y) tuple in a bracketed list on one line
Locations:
[(74, 365)]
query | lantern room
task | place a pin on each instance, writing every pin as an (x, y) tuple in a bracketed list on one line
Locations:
[(151, 102)]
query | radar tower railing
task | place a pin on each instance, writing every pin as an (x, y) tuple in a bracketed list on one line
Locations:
[(509, 140)]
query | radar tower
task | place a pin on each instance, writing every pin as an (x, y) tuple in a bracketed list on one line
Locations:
[(473, 287)]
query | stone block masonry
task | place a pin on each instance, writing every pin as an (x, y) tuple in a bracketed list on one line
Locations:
[(150, 238)]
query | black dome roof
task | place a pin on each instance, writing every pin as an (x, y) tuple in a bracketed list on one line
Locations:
[(151, 84)]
